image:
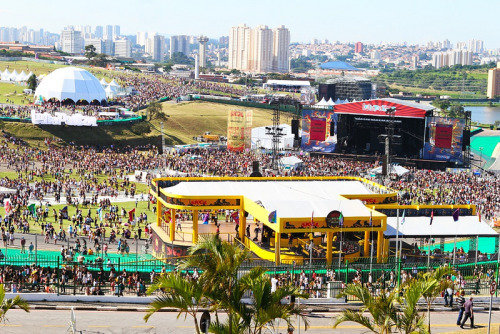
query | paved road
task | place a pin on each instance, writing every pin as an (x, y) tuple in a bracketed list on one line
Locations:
[(48, 321)]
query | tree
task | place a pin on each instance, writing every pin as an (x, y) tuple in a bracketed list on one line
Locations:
[(456, 110), (31, 82), (409, 319), (7, 304), (90, 52), (178, 293), (154, 110), (441, 104), (381, 308)]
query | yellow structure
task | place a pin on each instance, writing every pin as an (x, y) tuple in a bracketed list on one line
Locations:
[(357, 217)]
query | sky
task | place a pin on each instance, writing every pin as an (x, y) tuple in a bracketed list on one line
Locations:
[(368, 21)]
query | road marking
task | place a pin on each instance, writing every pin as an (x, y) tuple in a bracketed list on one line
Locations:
[(9, 325), (54, 326), (98, 326), (145, 326)]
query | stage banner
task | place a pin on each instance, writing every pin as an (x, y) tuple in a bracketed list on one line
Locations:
[(319, 131), (239, 127), (445, 139)]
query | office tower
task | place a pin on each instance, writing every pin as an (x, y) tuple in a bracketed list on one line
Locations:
[(116, 31), (123, 48), (202, 51), (281, 47), (239, 43), (358, 48), (97, 43), (108, 33), (180, 44), (158, 47), (98, 32), (493, 90), (71, 41), (142, 36), (108, 46)]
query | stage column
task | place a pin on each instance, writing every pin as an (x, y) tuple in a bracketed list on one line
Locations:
[(172, 224), (277, 248), (366, 245), (380, 246), (195, 226), (329, 246), (243, 225), (158, 212)]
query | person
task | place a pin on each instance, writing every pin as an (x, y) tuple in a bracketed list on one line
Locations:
[(23, 245), (469, 313), (274, 283), (460, 303), (31, 248)]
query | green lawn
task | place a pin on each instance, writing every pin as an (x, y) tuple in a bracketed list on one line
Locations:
[(13, 93)]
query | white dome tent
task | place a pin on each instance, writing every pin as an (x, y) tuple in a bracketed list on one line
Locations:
[(70, 83)]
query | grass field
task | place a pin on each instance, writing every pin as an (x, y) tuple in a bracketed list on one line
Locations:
[(12, 93), (184, 121)]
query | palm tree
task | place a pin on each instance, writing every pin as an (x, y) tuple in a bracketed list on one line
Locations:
[(436, 283), (409, 319), (179, 293), (381, 308), (7, 304)]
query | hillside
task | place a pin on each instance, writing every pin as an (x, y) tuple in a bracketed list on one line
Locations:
[(182, 122)]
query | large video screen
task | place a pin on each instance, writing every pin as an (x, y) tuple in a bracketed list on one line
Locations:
[(445, 139), (319, 131)]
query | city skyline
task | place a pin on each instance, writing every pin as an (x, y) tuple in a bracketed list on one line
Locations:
[(383, 21)]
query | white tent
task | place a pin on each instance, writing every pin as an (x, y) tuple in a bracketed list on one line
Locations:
[(5, 75), (70, 83), (393, 169), (321, 103), (103, 82), (110, 92), (291, 162), (22, 76), (113, 83), (13, 76), (330, 102), (338, 101), (29, 75), (260, 138)]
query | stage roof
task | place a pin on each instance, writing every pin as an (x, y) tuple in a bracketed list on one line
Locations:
[(338, 65), (378, 107), (442, 226), (291, 199)]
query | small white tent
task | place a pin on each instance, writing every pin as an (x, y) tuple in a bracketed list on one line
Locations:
[(6, 75), (394, 169), (113, 83), (13, 76), (330, 102), (22, 76), (110, 92), (291, 162), (103, 82)]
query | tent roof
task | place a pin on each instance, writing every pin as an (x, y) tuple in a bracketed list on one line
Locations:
[(442, 226), (291, 160), (114, 83), (394, 169), (288, 82), (322, 102), (70, 83), (291, 199)]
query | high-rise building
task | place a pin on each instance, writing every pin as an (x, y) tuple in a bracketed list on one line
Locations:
[(202, 51), (259, 50), (108, 33), (493, 90), (116, 31), (98, 32), (239, 43), (97, 43), (108, 47), (123, 48), (358, 48), (281, 49), (142, 36), (158, 47), (71, 41), (451, 58), (180, 44)]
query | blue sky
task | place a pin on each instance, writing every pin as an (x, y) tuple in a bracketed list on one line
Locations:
[(348, 20)]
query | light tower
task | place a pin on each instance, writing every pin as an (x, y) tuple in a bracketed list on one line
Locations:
[(202, 50)]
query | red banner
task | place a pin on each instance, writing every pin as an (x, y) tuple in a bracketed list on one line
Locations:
[(443, 136), (318, 129)]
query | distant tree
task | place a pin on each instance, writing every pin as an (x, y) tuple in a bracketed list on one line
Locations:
[(441, 104), (180, 58), (456, 110), (90, 52), (167, 67), (154, 110), (32, 82), (100, 60)]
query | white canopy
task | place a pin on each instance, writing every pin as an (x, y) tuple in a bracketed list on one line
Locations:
[(22, 76), (289, 198), (71, 83), (291, 162), (322, 103), (330, 102), (13, 76), (393, 169), (113, 83), (5, 75), (442, 226), (103, 82), (110, 92)]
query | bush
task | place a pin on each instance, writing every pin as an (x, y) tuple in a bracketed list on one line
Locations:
[(140, 128)]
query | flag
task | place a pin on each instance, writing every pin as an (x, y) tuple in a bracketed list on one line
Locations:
[(99, 212), (131, 215), (432, 217), (312, 219), (32, 209), (341, 220), (456, 215), (479, 215), (7, 206), (272, 217), (403, 218)]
